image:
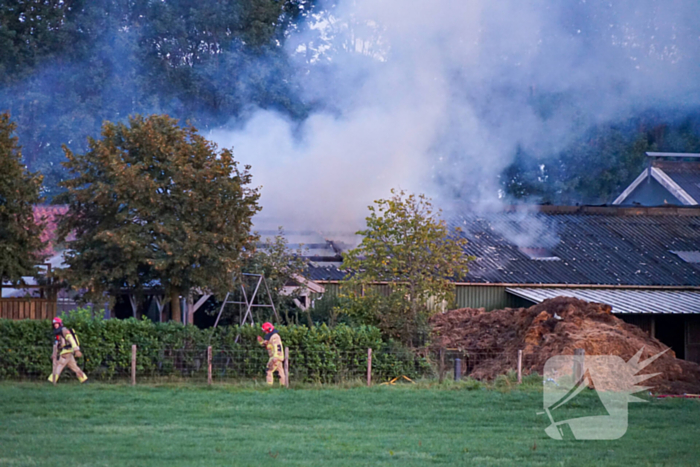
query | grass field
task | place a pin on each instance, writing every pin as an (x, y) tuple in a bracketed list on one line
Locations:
[(185, 425)]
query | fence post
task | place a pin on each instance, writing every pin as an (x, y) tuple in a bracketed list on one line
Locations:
[(133, 365), (286, 366), (458, 369), (520, 366), (209, 365), (579, 356), (441, 365), (369, 367)]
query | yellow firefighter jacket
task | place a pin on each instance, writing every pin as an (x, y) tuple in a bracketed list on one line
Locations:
[(67, 342), (273, 343)]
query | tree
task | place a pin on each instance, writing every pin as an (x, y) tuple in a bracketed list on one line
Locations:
[(67, 66), (407, 246), (280, 265), (153, 203), (20, 235)]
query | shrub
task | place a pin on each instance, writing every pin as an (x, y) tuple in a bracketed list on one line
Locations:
[(317, 354)]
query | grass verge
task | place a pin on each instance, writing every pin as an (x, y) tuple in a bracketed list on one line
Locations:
[(408, 424)]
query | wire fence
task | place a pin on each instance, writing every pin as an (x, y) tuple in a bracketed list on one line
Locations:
[(317, 365)]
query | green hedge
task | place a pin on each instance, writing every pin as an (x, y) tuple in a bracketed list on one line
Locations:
[(318, 354)]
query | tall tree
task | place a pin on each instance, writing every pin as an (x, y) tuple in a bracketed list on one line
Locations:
[(20, 235), (407, 246), (68, 65), (154, 201)]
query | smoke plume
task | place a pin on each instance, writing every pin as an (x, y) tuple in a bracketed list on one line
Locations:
[(438, 96)]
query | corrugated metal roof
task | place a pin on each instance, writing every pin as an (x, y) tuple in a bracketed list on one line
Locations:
[(597, 249), (317, 272), (622, 301), (596, 246)]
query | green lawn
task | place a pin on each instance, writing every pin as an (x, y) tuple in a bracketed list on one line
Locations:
[(190, 425)]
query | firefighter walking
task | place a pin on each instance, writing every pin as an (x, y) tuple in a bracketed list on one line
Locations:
[(65, 348), (273, 343)]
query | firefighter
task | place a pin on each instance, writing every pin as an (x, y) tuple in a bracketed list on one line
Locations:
[(273, 343), (67, 347)]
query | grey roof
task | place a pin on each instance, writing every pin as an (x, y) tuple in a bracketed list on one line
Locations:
[(623, 301), (610, 245), (596, 245), (321, 251), (319, 272)]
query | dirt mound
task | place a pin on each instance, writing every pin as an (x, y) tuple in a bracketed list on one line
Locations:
[(556, 327)]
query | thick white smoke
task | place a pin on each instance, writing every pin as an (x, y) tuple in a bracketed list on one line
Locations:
[(437, 96)]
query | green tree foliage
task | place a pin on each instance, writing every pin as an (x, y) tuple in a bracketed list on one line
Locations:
[(30, 31), (280, 265), (66, 66), (20, 235), (407, 246), (154, 201)]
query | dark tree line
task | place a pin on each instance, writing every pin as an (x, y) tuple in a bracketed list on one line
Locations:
[(598, 166), (67, 66)]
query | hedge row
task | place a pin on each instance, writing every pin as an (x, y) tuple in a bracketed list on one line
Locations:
[(317, 354)]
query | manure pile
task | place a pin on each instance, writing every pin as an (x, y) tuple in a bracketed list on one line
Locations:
[(556, 327)]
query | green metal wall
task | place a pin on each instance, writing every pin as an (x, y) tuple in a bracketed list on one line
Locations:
[(471, 296), (332, 290), (489, 297)]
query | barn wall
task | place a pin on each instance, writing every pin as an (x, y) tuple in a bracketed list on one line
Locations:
[(467, 296), (489, 297)]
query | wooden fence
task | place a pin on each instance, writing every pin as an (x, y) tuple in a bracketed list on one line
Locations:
[(27, 308)]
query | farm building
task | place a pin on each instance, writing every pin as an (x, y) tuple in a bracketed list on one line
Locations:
[(671, 178), (644, 262), (41, 301)]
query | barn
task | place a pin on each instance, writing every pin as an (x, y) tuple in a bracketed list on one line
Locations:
[(643, 261)]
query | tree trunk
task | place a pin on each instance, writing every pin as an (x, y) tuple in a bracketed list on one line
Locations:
[(190, 307), (176, 313)]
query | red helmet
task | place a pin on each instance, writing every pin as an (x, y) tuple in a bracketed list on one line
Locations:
[(267, 327), (57, 320)]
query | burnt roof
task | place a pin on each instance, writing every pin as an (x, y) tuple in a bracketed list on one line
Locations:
[(319, 272), (596, 245), (606, 246)]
